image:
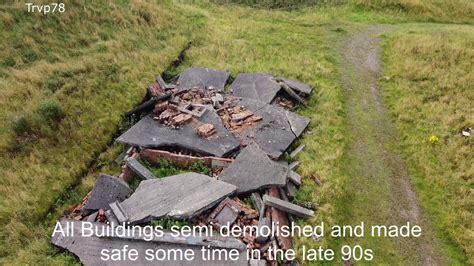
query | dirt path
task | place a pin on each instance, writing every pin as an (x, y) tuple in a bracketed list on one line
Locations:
[(380, 192)]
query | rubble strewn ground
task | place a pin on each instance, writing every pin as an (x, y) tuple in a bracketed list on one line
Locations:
[(240, 136)]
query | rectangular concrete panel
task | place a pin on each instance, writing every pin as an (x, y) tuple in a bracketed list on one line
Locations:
[(253, 170), (202, 78), (277, 130), (148, 133), (88, 248), (180, 196)]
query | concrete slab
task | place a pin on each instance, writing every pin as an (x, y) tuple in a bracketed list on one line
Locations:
[(294, 177), (287, 207), (88, 248), (294, 165), (203, 78), (257, 202), (148, 133), (297, 85), (225, 213), (260, 87), (291, 190), (180, 196), (253, 170), (263, 224), (107, 189), (277, 130), (296, 151), (139, 169)]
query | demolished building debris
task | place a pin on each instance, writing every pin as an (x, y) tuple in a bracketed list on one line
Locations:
[(239, 136), (252, 170), (287, 206), (261, 87), (107, 189), (267, 88), (88, 248), (202, 78), (139, 169), (180, 196), (148, 133), (278, 129)]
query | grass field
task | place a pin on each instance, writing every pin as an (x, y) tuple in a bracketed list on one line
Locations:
[(428, 94), (63, 98)]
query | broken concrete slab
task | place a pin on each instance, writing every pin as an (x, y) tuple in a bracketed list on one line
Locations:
[(182, 160), (253, 262), (111, 217), (277, 129), (261, 87), (257, 202), (92, 217), (107, 189), (292, 93), (139, 169), (296, 151), (148, 105), (253, 170), (296, 85), (263, 223), (148, 133), (265, 87), (202, 78), (88, 248), (291, 190), (287, 206), (180, 196), (225, 213), (294, 177), (294, 165)]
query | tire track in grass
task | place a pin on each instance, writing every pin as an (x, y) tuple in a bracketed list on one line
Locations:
[(379, 190)]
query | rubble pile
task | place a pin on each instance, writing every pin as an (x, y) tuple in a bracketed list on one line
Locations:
[(239, 135)]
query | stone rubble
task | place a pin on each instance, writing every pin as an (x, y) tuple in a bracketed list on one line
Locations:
[(239, 136)]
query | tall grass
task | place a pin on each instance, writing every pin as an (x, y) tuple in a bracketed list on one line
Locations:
[(451, 11), (65, 81), (457, 11)]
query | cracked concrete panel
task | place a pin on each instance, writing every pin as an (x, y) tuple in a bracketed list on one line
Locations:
[(180, 196), (277, 130), (260, 87), (297, 86), (107, 189), (202, 78), (253, 170), (140, 170), (148, 133), (88, 248), (287, 207)]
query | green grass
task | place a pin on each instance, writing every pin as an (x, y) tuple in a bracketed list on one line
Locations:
[(430, 93), (65, 80)]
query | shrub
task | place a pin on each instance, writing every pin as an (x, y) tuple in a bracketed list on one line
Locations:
[(51, 110), (22, 125)]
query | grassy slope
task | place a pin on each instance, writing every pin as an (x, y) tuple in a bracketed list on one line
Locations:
[(430, 93), (442, 11), (94, 61), (240, 39)]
